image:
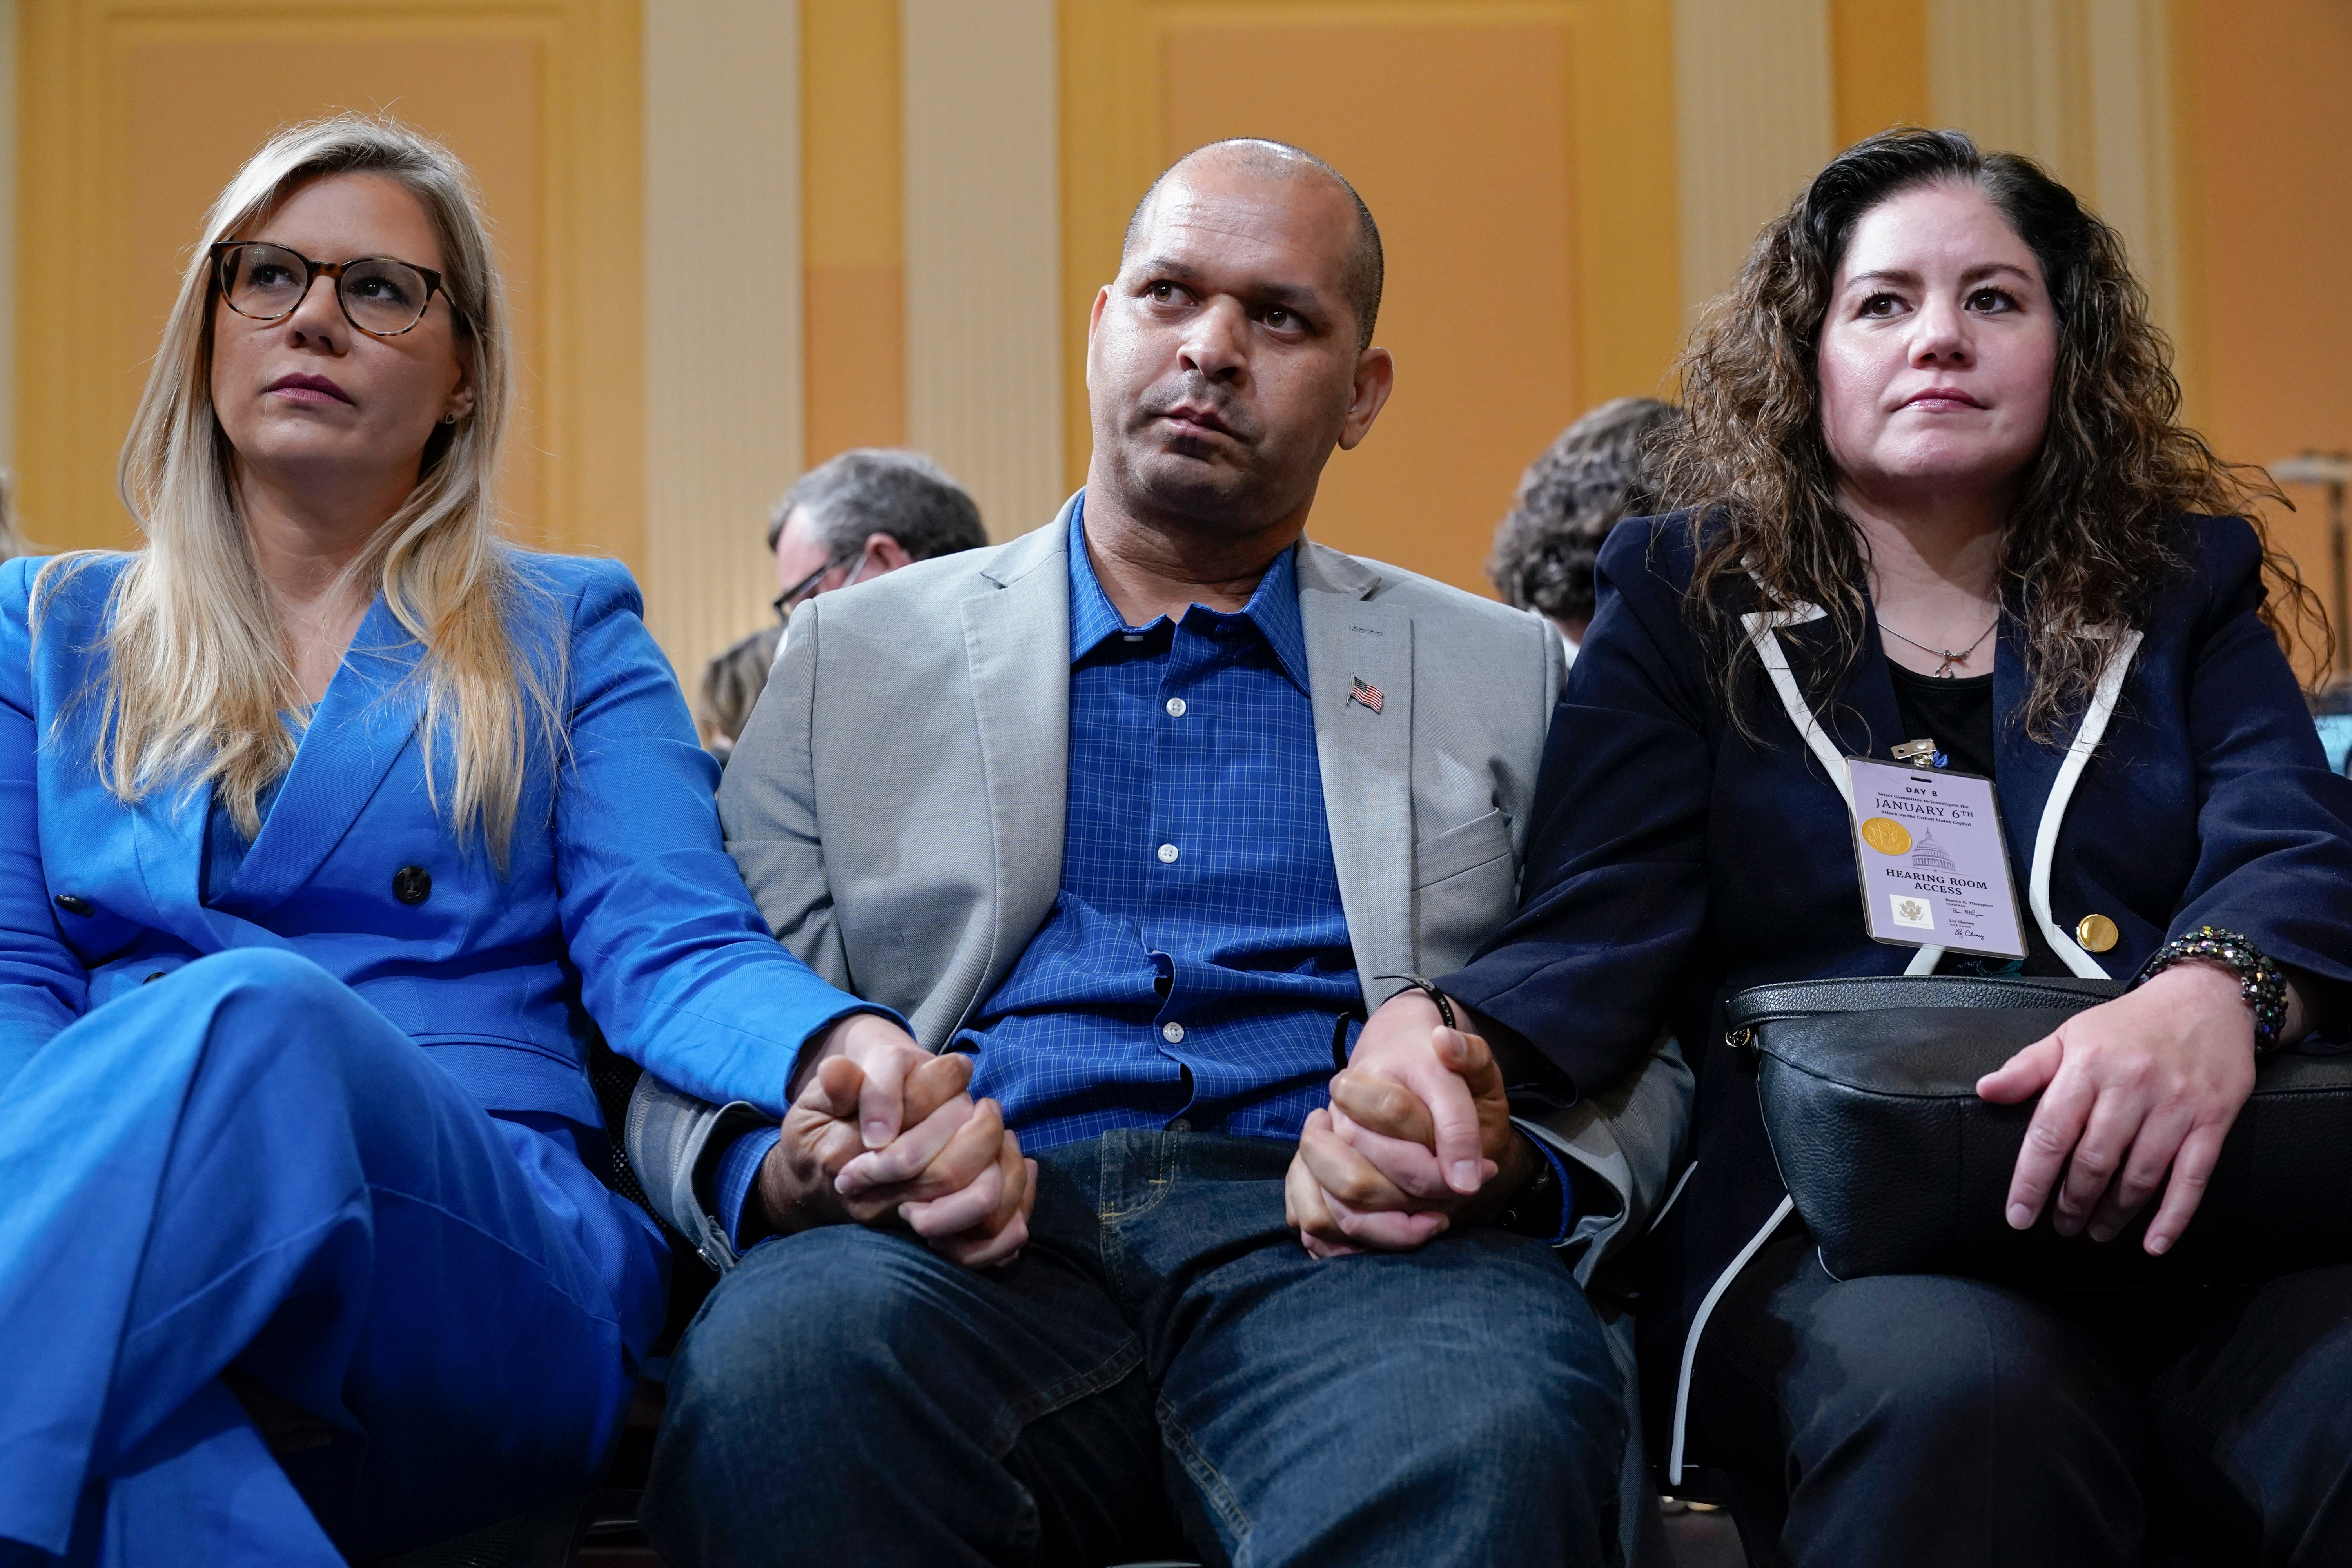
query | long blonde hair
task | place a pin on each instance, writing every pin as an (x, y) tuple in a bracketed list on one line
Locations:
[(198, 680)]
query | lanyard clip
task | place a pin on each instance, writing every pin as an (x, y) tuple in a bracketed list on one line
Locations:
[(1921, 753)]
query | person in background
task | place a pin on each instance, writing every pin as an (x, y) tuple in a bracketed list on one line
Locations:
[(1939, 492), (1146, 812), (872, 509), (331, 825), (849, 520), (732, 679), (1595, 473), (12, 538)]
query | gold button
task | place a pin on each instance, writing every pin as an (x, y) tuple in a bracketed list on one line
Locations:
[(2096, 933)]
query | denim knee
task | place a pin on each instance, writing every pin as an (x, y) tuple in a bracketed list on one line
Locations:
[(830, 1308)]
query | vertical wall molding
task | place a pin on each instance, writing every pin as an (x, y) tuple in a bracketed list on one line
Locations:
[(984, 250), (2009, 72), (1754, 120), (723, 380), (2132, 156), (2085, 86)]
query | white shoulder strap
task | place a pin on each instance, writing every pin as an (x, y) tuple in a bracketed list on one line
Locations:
[(2061, 791), (1762, 632)]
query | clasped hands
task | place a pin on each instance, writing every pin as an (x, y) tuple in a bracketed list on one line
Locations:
[(882, 1132), (1417, 1139)]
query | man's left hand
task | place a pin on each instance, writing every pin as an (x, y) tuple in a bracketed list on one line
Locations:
[(1418, 1138)]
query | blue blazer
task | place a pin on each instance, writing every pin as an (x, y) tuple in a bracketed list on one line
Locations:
[(619, 902), (1673, 862)]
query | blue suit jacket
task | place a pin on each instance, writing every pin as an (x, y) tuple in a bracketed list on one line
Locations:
[(1672, 862), (619, 902)]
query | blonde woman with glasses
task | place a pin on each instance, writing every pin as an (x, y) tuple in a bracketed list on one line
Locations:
[(328, 824)]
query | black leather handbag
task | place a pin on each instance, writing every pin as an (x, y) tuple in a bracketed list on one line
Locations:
[(1868, 1090)]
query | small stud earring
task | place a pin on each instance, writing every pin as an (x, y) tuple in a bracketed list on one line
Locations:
[(450, 418)]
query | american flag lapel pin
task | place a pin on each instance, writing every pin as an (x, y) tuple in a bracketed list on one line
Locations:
[(1363, 692)]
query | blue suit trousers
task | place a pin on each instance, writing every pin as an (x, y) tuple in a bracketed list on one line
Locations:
[(242, 1176)]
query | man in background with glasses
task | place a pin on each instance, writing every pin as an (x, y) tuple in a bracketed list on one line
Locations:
[(849, 520), (863, 514)]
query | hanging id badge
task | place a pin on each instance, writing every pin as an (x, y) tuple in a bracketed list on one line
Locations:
[(1934, 864)]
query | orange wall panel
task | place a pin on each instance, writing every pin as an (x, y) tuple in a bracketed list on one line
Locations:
[(855, 337), (2271, 303), (133, 113), (1457, 138), (198, 107), (1879, 65), (852, 225)]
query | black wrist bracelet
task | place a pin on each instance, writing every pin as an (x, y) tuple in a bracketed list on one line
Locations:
[(2260, 981), (1429, 989)]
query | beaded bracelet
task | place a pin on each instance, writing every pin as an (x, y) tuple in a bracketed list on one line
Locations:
[(2260, 981)]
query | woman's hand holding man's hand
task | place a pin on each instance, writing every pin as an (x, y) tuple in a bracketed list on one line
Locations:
[(881, 1133), (2130, 1088), (1418, 1138)]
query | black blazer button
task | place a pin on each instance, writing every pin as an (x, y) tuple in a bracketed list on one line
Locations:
[(412, 884), (74, 904)]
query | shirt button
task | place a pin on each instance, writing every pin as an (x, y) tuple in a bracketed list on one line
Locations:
[(1175, 708), (411, 885), (1173, 1032), (1168, 854)]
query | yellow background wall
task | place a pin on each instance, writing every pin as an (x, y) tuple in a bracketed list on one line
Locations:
[(133, 115), (1482, 136), (2268, 246), (853, 231), (741, 238)]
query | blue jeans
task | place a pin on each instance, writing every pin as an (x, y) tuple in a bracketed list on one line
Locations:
[(242, 1183), (1164, 1371)]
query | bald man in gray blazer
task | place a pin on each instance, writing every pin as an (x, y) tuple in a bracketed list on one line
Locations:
[(1233, 1307)]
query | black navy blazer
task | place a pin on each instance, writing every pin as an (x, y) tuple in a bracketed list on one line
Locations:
[(1672, 862)]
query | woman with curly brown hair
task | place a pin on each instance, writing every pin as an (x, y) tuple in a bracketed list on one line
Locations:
[(1942, 502), (1593, 476)]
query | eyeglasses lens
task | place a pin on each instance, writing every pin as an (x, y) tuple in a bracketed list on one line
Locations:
[(266, 281), (263, 281), (383, 296)]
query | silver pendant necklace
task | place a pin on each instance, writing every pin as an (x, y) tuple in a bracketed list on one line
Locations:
[(1948, 655)]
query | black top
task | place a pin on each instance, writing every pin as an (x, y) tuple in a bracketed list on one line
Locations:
[(1955, 712)]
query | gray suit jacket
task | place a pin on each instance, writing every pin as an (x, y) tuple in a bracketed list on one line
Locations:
[(897, 807)]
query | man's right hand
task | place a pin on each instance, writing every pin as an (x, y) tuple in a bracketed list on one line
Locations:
[(954, 1176)]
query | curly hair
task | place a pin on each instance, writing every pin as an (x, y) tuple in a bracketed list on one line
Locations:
[(2096, 530), (1594, 475)]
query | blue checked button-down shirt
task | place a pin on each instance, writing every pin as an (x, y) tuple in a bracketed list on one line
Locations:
[(1196, 963)]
